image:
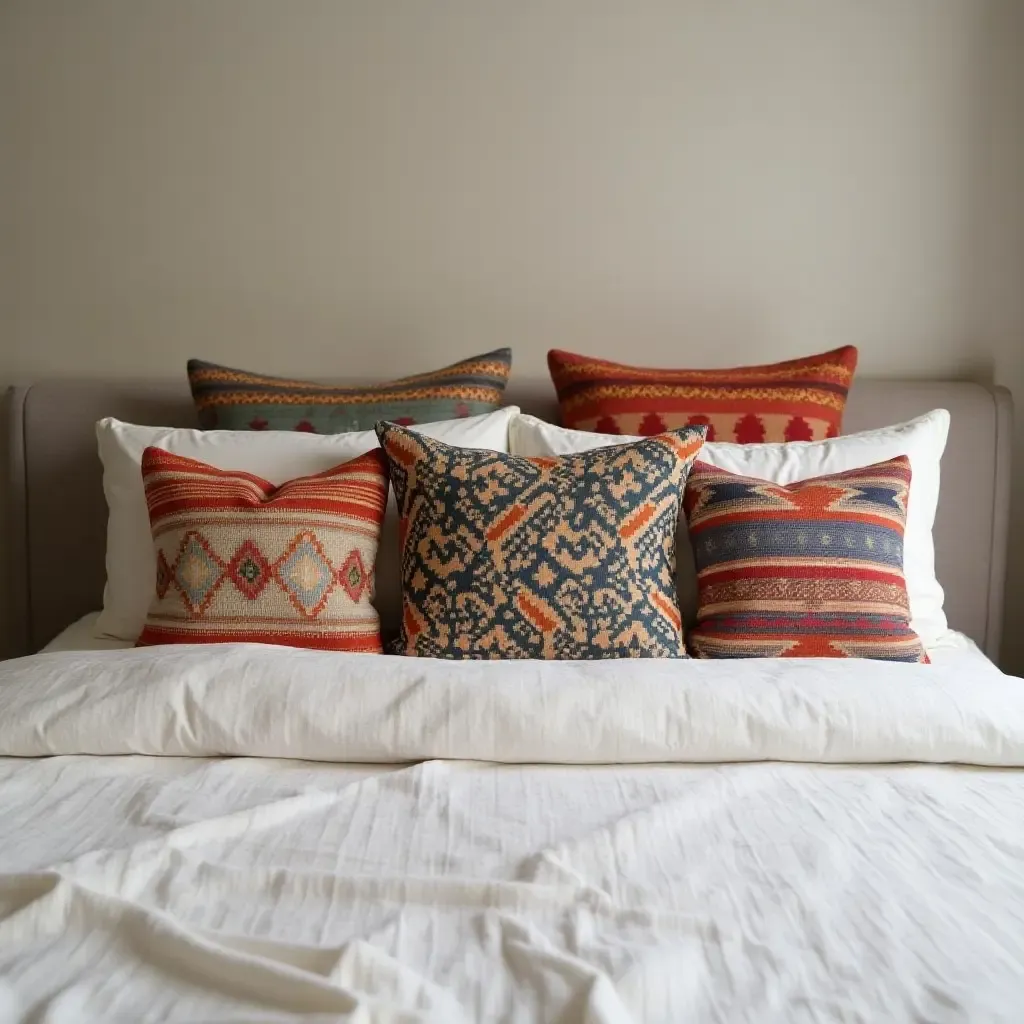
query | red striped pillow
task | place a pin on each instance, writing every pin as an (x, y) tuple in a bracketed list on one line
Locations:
[(812, 569), (797, 400), (239, 560)]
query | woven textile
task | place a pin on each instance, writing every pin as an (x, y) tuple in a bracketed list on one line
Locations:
[(812, 569), (239, 560), (798, 400), (229, 399), (570, 557)]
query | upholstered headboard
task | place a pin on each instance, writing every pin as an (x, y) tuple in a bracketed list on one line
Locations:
[(57, 514)]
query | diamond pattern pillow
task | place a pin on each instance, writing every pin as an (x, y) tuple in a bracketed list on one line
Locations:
[(810, 569), (239, 560), (558, 557), (798, 400), (229, 399)]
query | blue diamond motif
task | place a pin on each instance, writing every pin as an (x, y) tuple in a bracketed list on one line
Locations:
[(306, 574), (197, 572)]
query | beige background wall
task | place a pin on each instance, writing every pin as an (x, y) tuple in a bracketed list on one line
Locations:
[(319, 187)]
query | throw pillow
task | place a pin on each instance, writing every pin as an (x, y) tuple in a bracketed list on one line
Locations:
[(572, 557), (238, 560), (809, 569), (229, 399), (797, 400)]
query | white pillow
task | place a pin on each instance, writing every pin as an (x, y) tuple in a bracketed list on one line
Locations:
[(275, 455), (922, 440)]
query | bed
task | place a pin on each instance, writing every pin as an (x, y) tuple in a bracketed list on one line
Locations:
[(245, 833)]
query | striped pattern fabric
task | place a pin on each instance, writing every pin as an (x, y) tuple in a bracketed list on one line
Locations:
[(812, 569), (228, 399), (798, 400), (239, 560), (549, 558)]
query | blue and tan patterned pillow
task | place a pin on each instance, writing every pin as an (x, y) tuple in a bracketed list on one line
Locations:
[(229, 399), (807, 570), (558, 557)]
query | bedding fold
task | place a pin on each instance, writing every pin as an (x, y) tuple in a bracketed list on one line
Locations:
[(275, 702)]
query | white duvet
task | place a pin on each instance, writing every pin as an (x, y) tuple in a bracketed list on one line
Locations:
[(373, 839)]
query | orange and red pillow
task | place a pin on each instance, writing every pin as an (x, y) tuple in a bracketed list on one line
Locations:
[(239, 560), (797, 400), (810, 569)]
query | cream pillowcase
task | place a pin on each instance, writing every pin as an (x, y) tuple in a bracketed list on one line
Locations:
[(922, 440), (276, 456)]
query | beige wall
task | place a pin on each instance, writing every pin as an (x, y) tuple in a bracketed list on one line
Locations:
[(382, 185)]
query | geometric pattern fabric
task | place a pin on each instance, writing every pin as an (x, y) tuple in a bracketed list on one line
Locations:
[(228, 399), (568, 557), (239, 560), (811, 569), (797, 400)]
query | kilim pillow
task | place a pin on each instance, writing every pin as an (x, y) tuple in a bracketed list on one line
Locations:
[(810, 569), (229, 399), (798, 400), (558, 557), (239, 560)]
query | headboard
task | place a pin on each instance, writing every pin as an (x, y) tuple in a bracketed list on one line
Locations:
[(57, 513)]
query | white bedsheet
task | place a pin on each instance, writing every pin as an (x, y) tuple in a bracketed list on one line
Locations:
[(952, 648), (182, 888), (83, 636)]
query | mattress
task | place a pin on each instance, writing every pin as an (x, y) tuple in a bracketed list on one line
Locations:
[(242, 833)]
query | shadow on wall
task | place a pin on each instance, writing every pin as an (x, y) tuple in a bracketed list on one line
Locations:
[(6, 595), (996, 264)]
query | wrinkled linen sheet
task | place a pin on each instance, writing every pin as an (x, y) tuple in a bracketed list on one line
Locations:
[(196, 887)]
